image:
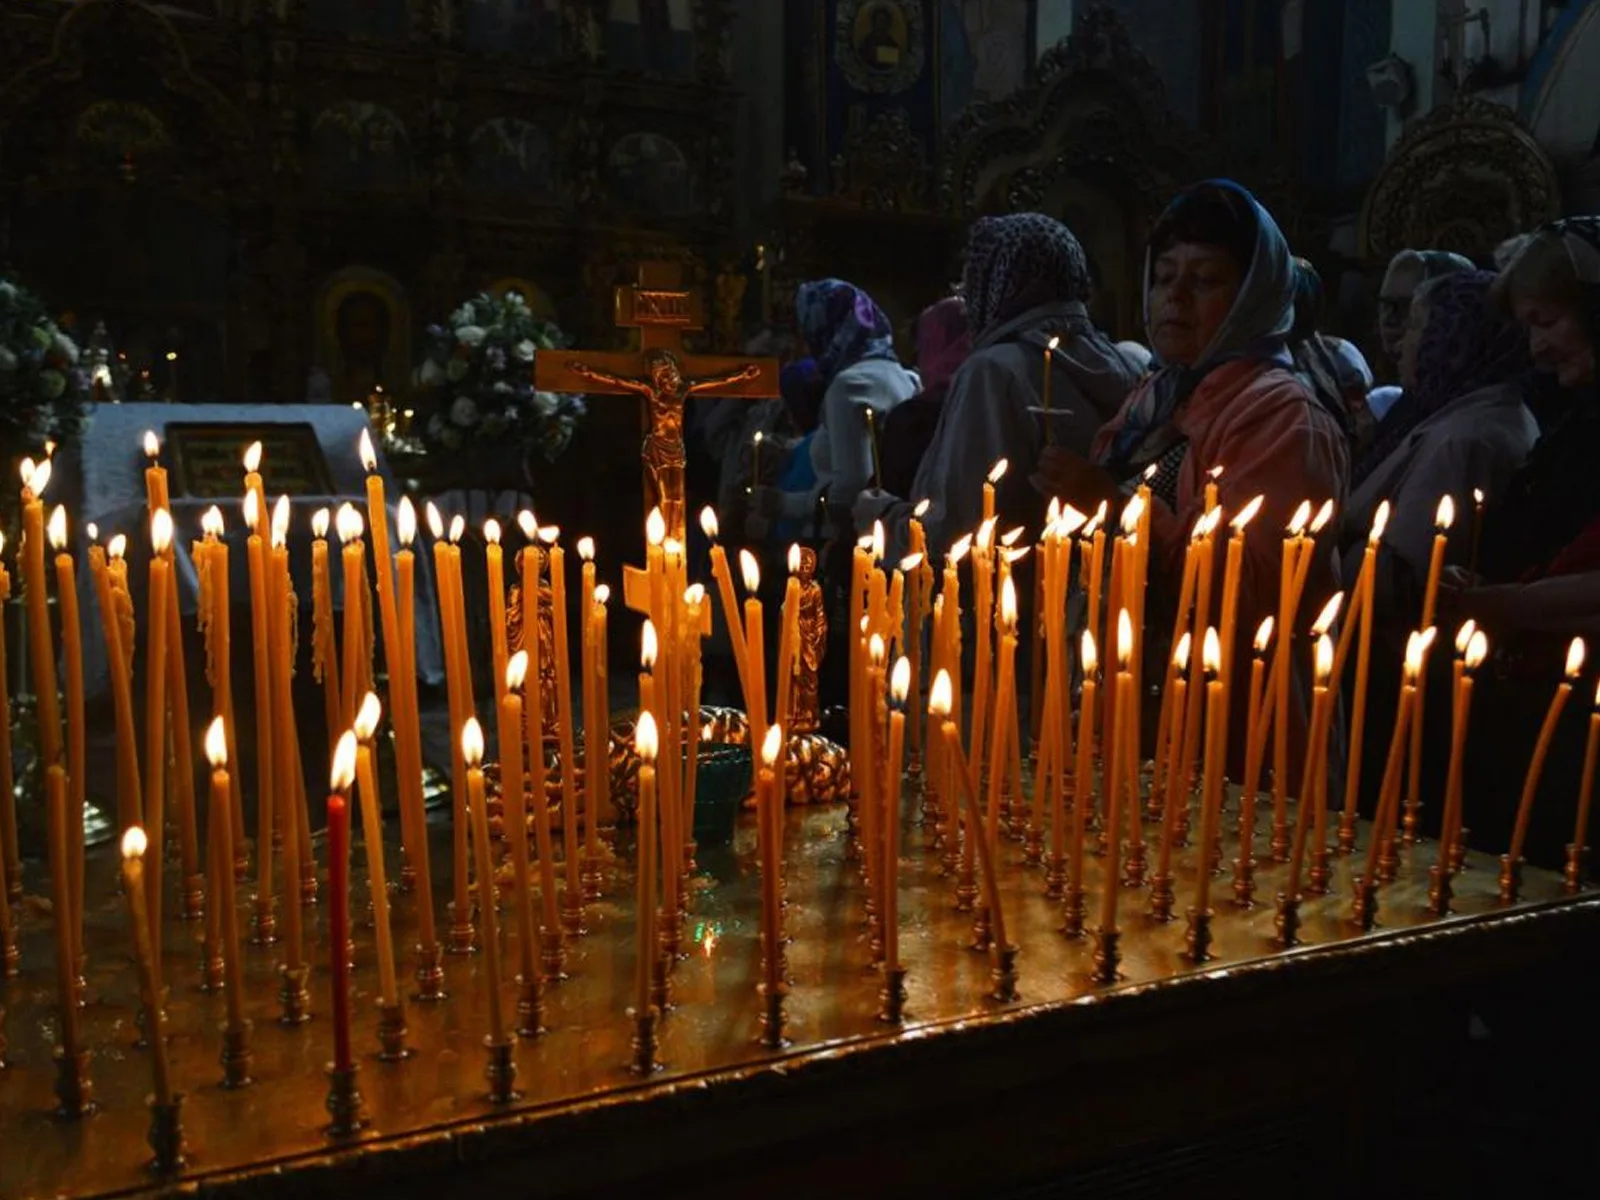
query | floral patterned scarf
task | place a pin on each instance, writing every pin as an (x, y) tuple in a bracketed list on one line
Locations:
[(842, 326), (1018, 262)]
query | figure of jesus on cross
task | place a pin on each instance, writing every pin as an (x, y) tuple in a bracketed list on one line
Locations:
[(663, 374)]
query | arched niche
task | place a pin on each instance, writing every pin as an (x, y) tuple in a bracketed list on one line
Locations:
[(361, 334)]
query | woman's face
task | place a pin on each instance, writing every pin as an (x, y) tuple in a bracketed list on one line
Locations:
[(1410, 340), (1192, 290), (1558, 339)]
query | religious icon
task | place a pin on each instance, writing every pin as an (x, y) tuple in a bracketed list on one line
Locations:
[(880, 35), (879, 45), (813, 624), (363, 336), (666, 389)]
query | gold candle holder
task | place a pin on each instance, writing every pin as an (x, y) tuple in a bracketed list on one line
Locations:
[(530, 1006), (552, 955), (1347, 833), (572, 915), (1197, 937), (192, 900), (343, 1103), (950, 860), (501, 1071), (644, 1042), (1278, 847), (661, 984), (1107, 956), (1244, 881), (74, 1088), (1388, 860), (1287, 920), (460, 936), (429, 974), (264, 923), (1133, 868), (408, 871), (293, 995), (1004, 975), (1364, 910), (211, 973), (1458, 852), (892, 997), (966, 889), (1510, 879), (1073, 913), (591, 875), (1032, 845), (1408, 822), (1439, 891), (1055, 877), (1161, 897), (10, 955), (166, 1136), (392, 1046), (982, 929), (1317, 879), (1572, 873), (236, 1056), (308, 885), (772, 1018)]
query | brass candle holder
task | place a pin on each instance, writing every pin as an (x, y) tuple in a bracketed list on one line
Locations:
[(1278, 846), (1439, 890), (1572, 873), (552, 955), (591, 876), (1364, 910), (501, 1071), (1287, 920), (1197, 938), (1346, 838), (1055, 877), (343, 1103), (572, 915), (1408, 822), (1458, 852), (1107, 956), (1388, 860), (1244, 881), (429, 974), (236, 1056), (10, 955), (308, 884), (264, 923), (772, 1018), (1510, 879), (1032, 844), (74, 1088), (661, 984), (166, 1136), (1317, 879), (1161, 897), (1073, 913), (192, 899), (392, 1046), (1004, 975), (241, 865), (982, 929), (892, 997), (211, 973), (966, 888), (293, 995), (644, 1042), (530, 1006), (1133, 868), (460, 936)]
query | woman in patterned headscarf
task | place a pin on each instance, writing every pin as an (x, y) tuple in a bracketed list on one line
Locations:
[(852, 342), (1026, 285)]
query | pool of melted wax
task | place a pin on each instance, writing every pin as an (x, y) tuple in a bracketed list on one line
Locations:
[(711, 1031)]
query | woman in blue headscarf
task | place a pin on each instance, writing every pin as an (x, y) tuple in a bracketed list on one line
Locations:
[(852, 343)]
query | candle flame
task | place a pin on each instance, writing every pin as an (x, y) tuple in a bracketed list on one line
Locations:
[(551, 534), (1071, 521), (879, 541), (1013, 557), (694, 595), (134, 843), (472, 742), (252, 512), (1215, 473), (1008, 605), (1416, 650), (794, 559), (771, 745), (876, 650), (1052, 512), (900, 680), (751, 571), (998, 471), (368, 716), (1213, 519), (1247, 514), (1328, 615), (1302, 518), (152, 444), (1124, 639), (39, 479), (348, 523), (319, 523), (655, 527), (1477, 497), (708, 522), (602, 594), (343, 772), (921, 510), (1131, 514), (961, 548), (1054, 342), (25, 469), (1211, 652), (1089, 655), (1098, 521), (516, 671), (760, 437), (1477, 651), (56, 529), (160, 531), (1011, 537), (1324, 515), (1575, 656), (586, 549), (252, 458), (648, 646), (1198, 533), (435, 521), (406, 521), (1323, 669), (528, 523), (280, 522), (217, 743), (864, 542), (369, 456), (1464, 635), (986, 536), (1149, 473), (491, 531), (1380, 522), (1264, 635), (645, 739), (1180, 652), (117, 547), (911, 562), (940, 696), (1445, 515)]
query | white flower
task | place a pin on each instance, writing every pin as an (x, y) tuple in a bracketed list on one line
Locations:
[(464, 412), (502, 388), (524, 350), (546, 402), (64, 346), (471, 335), (456, 370), (462, 316), (8, 360), (430, 375)]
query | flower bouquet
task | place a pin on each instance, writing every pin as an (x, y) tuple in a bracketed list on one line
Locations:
[(475, 385), (43, 389)]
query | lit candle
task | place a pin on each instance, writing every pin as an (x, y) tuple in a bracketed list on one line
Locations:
[(565, 718), (983, 651), (1364, 599), (1231, 573), (1250, 785), (768, 800), (42, 658), (155, 1017), (55, 790), (260, 644), (1095, 533), (252, 477), (294, 821), (899, 690), (646, 744), (1580, 832), (349, 526), (378, 522), (921, 594), (599, 780), (1178, 686), (1005, 697), (408, 734), (1389, 792), (130, 807), (366, 728), (513, 788), (594, 760), (10, 852), (222, 886), (1309, 815), (996, 474), (340, 779), (219, 648), (1215, 762), (754, 640), (1049, 354), (1117, 763), (324, 643), (1443, 519), (1477, 649), (533, 722), (155, 711), (472, 755), (72, 665), (1185, 767), (459, 687), (1278, 686), (1547, 733), (494, 565), (1169, 744), (730, 605), (1477, 530), (940, 700), (1083, 769)]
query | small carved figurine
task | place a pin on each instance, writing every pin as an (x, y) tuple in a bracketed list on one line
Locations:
[(813, 622)]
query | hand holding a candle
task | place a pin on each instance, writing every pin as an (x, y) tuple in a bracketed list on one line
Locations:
[(1065, 474)]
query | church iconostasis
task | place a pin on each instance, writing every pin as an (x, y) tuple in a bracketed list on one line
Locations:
[(655, 36)]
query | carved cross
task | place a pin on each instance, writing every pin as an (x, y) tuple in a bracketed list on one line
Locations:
[(662, 374)]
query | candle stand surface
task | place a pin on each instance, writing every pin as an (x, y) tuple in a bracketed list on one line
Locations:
[(966, 1097)]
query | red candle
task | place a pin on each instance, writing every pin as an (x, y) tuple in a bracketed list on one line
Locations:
[(344, 770)]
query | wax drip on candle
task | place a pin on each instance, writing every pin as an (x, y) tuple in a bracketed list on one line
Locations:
[(252, 458)]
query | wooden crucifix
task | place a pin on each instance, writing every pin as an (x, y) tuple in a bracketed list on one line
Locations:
[(663, 374)]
